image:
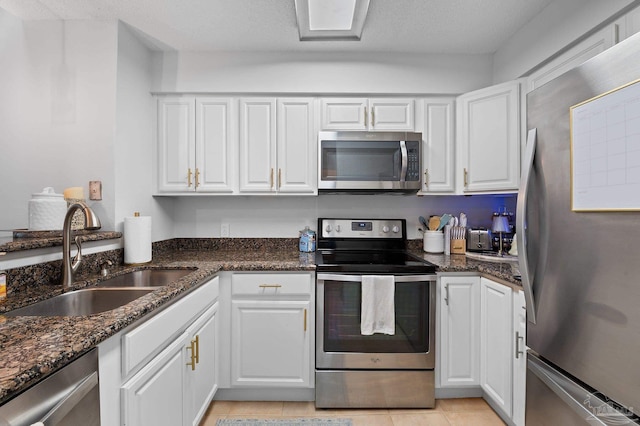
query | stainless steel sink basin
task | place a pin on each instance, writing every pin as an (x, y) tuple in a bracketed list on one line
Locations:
[(81, 302), (146, 278)]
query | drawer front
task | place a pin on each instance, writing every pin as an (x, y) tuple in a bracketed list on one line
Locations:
[(151, 336), (271, 284)]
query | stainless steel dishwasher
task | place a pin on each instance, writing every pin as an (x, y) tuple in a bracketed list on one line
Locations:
[(70, 396)]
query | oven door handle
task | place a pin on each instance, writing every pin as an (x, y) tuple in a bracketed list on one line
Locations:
[(358, 278)]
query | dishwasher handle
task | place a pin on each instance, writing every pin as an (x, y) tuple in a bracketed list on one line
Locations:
[(62, 408)]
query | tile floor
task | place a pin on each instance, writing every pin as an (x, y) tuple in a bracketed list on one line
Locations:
[(448, 412)]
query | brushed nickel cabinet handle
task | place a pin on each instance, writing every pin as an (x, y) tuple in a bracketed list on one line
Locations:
[(365, 117), (446, 296), (279, 178), (426, 178), (189, 177), (197, 345), (305, 320), (271, 179), (466, 178), (373, 117), (197, 177), (518, 339), (270, 285)]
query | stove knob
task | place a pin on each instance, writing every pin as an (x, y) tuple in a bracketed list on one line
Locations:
[(337, 228), (328, 228), (395, 229), (385, 229)]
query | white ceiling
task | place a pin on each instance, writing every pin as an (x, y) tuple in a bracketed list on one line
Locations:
[(422, 26)]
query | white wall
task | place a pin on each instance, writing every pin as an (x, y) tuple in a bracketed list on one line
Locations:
[(258, 72), (558, 25), (57, 112), (285, 216), (134, 139)]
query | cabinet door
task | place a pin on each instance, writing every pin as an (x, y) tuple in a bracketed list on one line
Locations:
[(437, 146), (201, 380), (344, 114), (489, 138), (496, 343), (270, 343), (297, 146), (176, 144), (391, 114), (215, 145), (520, 357), (586, 49), (459, 331), (154, 396), (257, 144)]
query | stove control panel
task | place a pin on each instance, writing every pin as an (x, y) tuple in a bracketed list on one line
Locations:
[(362, 228)]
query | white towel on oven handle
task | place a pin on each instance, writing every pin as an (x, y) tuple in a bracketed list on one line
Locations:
[(378, 308)]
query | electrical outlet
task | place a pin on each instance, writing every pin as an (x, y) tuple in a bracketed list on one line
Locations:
[(224, 230)]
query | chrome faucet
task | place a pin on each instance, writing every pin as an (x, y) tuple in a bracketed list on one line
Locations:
[(69, 266)]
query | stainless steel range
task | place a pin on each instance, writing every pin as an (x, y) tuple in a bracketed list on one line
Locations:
[(389, 368)]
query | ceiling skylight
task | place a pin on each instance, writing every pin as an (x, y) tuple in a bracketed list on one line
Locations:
[(331, 19)]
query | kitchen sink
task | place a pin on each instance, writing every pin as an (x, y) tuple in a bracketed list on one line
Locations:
[(87, 301), (145, 278)]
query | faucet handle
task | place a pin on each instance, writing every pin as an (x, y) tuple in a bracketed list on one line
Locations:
[(104, 267)]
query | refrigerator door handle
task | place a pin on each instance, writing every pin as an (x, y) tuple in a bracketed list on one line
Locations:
[(521, 208)]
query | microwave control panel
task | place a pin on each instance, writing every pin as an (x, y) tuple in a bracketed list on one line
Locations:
[(413, 161)]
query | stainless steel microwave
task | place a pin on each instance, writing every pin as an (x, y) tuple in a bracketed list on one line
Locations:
[(369, 161)]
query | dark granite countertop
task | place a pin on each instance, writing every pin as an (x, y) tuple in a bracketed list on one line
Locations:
[(33, 347), (20, 241)]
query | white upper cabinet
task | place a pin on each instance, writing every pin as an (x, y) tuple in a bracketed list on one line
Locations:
[(438, 161), (488, 138), (257, 144), (297, 146), (176, 155), (384, 114), (215, 150), (574, 56), (196, 140), (277, 146)]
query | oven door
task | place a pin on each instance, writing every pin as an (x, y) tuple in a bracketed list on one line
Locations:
[(339, 344)]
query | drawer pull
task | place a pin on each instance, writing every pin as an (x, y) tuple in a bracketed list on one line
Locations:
[(305, 320), (270, 286)]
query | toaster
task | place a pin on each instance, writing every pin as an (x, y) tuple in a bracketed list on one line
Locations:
[(479, 240)]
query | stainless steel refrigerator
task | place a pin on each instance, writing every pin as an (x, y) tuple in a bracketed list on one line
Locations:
[(580, 269)]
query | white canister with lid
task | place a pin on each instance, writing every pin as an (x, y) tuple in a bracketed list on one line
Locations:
[(47, 210)]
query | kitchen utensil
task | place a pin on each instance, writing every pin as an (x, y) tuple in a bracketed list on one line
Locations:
[(463, 220), (434, 223), (443, 221), (455, 221), (423, 221)]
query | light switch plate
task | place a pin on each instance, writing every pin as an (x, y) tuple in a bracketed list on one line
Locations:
[(95, 190)]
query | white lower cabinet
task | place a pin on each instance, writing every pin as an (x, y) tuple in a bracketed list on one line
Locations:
[(481, 343), (163, 371), (272, 330), (459, 331), (270, 343), (495, 343), (154, 396)]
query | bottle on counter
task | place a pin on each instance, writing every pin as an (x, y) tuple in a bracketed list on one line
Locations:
[(307, 240)]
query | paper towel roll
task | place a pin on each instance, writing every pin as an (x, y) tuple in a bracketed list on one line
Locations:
[(137, 239)]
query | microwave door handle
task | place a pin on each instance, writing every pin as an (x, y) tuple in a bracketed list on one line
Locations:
[(403, 152)]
